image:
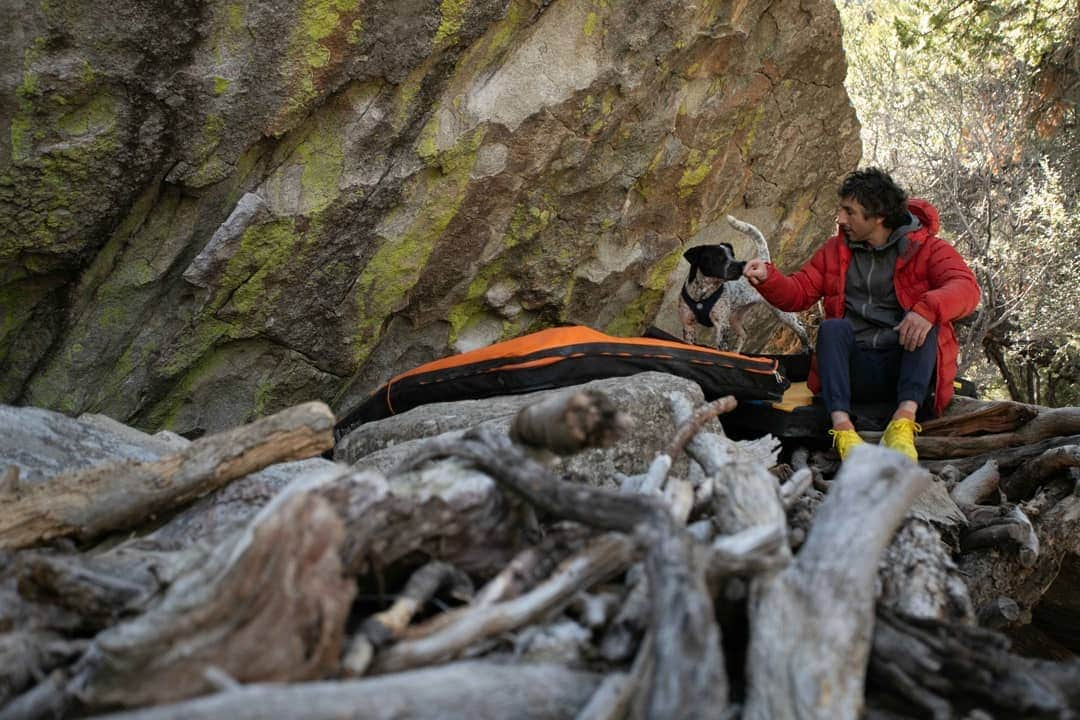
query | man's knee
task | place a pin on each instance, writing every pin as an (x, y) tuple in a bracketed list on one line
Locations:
[(835, 330)]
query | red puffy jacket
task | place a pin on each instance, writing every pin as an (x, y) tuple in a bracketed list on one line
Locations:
[(930, 278)]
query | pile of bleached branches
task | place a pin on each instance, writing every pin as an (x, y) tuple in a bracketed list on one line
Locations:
[(756, 590)]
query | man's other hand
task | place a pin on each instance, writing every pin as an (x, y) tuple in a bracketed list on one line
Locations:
[(755, 271), (913, 330)]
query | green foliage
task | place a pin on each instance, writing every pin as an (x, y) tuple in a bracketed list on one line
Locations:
[(954, 101), (984, 30)]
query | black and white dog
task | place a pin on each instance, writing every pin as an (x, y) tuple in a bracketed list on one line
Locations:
[(717, 295)]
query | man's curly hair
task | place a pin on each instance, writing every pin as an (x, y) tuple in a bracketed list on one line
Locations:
[(879, 195)]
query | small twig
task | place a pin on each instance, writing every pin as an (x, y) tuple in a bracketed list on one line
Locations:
[(606, 556), (389, 624), (697, 421), (796, 487)]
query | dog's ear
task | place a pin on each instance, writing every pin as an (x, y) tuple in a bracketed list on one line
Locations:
[(730, 249), (693, 255)]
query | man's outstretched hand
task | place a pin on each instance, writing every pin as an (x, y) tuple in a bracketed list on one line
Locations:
[(755, 271), (913, 330)]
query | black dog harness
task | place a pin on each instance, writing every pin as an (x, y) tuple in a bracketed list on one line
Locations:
[(704, 306)]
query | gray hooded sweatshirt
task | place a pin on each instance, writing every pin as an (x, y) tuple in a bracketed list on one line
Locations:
[(870, 302)]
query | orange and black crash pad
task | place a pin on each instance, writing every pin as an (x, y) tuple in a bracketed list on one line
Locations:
[(565, 356)]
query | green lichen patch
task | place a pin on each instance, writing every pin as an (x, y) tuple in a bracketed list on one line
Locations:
[(323, 31), (317, 148), (748, 123), (407, 93), (228, 32), (637, 315), (486, 51), (473, 307), (264, 251), (21, 140), (98, 115), (698, 167), (592, 20), (528, 221), (451, 14), (386, 279)]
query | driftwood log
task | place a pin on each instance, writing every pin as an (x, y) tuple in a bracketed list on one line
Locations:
[(86, 503), (465, 691)]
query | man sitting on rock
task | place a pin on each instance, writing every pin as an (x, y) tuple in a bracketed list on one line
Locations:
[(891, 290)]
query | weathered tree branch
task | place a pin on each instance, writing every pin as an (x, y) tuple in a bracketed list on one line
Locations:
[(1007, 458), (978, 485), (607, 556), (283, 572), (812, 622), (91, 501), (1023, 482), (1047, 424), (458, 691), (978, 417), (947, 670)]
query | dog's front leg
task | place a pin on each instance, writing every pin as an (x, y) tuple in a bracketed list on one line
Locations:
[(738, 328), (721, 320), (689, 323)]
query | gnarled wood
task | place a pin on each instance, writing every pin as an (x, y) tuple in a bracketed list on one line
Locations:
[(101, 588), (1030, 475), (1007, 458), (1046, 424), (919, 577), (998, 613), (990, 573), (88, 502), (976, 417), (811, 623), (28, 655), (933, 669), (688, 673), (271, 605)]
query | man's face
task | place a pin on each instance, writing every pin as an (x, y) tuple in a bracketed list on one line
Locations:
[(853, 222)]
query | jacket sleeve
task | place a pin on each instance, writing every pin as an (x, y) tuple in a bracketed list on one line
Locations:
[(954, 292), (798, 291)]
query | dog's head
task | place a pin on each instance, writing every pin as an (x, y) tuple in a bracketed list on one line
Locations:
[(716, 261)]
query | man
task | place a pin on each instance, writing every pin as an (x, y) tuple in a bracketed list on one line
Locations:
[(891, 291)]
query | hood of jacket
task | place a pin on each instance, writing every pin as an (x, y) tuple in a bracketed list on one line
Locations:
[(926, 213)]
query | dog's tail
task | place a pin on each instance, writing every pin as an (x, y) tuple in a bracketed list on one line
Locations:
[(754, 234)]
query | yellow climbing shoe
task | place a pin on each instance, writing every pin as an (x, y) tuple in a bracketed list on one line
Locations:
[(845, 440), (899, 435)]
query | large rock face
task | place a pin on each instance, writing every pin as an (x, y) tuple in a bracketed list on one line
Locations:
[(213, 209)]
